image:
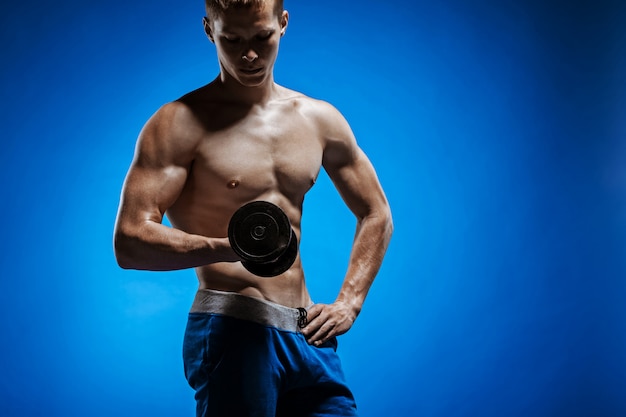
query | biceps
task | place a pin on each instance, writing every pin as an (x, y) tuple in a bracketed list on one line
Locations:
[(148, 192), (358, 185)]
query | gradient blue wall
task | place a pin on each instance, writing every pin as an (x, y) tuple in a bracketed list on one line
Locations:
[(498, 129)]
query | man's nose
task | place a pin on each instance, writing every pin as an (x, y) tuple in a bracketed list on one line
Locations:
[(249, 55)]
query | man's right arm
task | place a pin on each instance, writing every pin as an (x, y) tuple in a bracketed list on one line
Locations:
[(164, 153)]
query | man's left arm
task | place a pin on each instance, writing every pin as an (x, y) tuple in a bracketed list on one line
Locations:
[(355, 178)]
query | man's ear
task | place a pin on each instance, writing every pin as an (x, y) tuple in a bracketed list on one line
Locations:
[(284, 20), (207, 28)]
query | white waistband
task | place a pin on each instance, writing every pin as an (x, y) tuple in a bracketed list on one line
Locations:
[(247, 308)]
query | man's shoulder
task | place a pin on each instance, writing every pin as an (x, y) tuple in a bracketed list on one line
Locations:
[(178, 120), (200, 98), (186, 110), (310, 106)]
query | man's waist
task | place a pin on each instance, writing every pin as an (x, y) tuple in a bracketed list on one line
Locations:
[(247, 308), (288, 289)]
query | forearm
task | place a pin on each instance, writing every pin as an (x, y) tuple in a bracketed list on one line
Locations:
[(154, 246), (370, 245)]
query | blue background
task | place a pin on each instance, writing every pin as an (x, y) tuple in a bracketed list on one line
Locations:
[(498, 129)]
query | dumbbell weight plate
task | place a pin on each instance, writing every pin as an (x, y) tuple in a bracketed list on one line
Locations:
[(259, 232), (279, 265)]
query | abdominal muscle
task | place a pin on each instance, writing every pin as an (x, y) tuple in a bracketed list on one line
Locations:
[(288, 289)]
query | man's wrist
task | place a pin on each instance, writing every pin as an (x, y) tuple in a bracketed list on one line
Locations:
[(353, 304), (221, 251)]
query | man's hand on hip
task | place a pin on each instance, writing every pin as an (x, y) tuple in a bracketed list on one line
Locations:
[(326, 321)]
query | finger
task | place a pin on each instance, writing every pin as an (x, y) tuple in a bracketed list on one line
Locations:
[(313, 324), (322, 335), (313, 321), (314, 311)]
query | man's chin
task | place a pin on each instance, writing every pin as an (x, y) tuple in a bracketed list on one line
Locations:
[(248, 80)]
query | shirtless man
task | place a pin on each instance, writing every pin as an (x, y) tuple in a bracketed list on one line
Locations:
[(248, 349)]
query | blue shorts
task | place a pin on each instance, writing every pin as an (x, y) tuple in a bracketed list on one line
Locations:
[(246, 357)]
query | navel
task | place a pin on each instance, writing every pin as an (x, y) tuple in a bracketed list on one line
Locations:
[(232, 184)]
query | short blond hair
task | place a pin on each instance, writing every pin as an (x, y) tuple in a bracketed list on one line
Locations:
[(216, 7)]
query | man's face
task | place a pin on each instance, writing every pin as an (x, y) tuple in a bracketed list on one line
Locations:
[(246, 40)]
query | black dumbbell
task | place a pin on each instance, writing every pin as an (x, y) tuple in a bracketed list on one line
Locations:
[(261, 234)]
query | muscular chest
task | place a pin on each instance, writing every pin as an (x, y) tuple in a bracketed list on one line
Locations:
[(261, 154)]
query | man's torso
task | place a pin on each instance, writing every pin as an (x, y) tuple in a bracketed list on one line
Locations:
[(246, 153)]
